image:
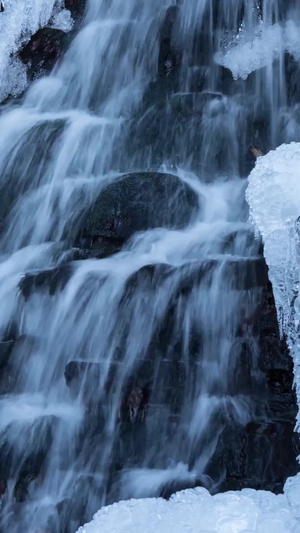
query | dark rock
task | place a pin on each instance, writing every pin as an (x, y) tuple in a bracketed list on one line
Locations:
[(236, 274), (12, 352), (101, 249), (169, 58), (51, 280), (11, 332), (43, 137), (244, 375), (135, 403), (5, 352), (76, 7), (292, 73), (197, 79), (81, 375), (85, 501), (254, 457), (147, 278), (43, 50), (25, 461), (236, 242), (192, 103), (201, 53), (137, 202), (259, 455)]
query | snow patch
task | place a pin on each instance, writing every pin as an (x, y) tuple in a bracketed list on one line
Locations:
[(260, 47), (196, 511)]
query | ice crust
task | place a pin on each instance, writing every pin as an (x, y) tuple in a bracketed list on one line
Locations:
[(196, 511), (20, 20), (273, 196), (259, 47)]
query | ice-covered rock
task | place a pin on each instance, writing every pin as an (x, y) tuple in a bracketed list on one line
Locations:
[(273, 195), (18, 22)]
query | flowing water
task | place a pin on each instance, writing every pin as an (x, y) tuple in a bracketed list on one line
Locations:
[(134, 92)]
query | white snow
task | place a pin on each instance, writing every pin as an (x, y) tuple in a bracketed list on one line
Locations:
[(273, 195), (257, 48), (196, 511), (20, 20)]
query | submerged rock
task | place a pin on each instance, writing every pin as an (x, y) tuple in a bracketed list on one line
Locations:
[(50, 280), (81, 375), (34, 442), (138, 202), (169, 57), (5, 352), (193, 103), (237, 274)]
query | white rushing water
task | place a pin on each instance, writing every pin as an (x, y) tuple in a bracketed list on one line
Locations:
[(170, 301)]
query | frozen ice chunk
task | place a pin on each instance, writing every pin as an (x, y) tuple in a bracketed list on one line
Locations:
[(257, 48), (273, 195), (63, 21), (196, 511)]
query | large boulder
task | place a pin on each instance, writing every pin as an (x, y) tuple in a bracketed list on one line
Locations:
[(138, 202)]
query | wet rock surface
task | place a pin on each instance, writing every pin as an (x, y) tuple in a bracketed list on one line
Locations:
[(263, 453), (43, 51), (138, 202), (49, 280), (260, 454)]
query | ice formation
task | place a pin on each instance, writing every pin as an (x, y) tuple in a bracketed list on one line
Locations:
[(62, 20), (18, 22), (258, 48), (196, 511), (273, 195)]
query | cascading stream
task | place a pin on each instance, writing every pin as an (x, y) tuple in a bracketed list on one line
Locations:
[(128, 372)]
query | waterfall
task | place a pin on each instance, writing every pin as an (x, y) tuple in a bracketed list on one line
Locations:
[(126, 374)]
